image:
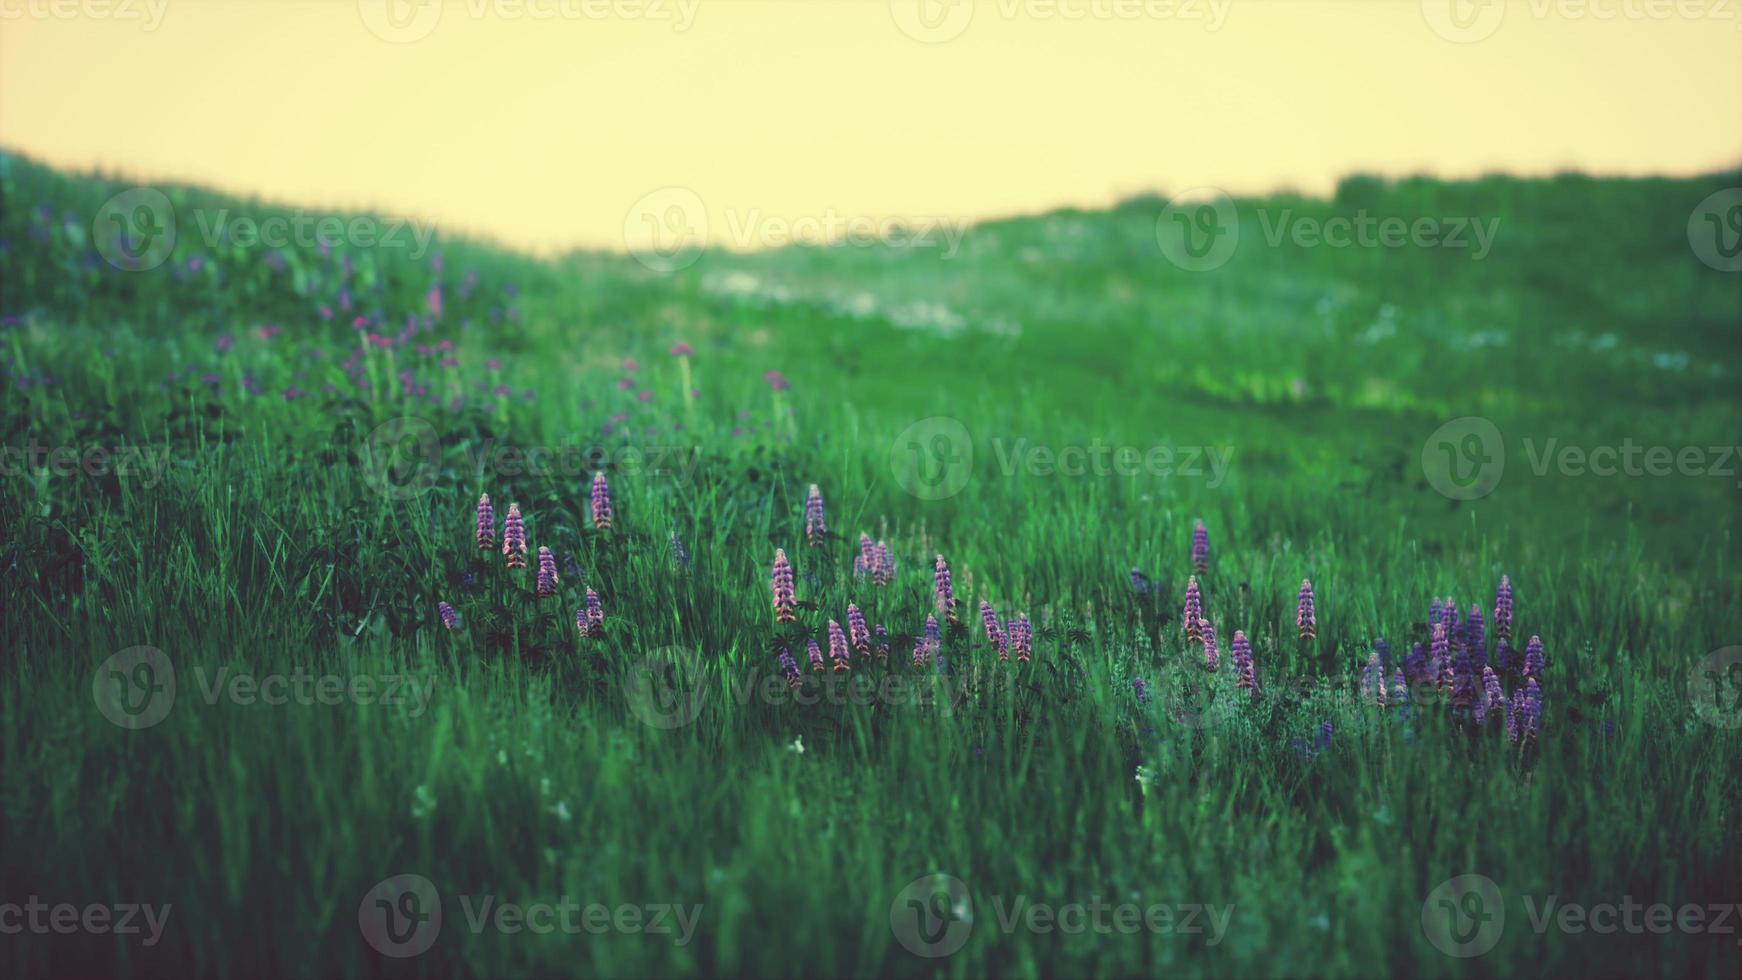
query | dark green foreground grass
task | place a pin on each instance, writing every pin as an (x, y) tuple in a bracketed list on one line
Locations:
[(532, 774)]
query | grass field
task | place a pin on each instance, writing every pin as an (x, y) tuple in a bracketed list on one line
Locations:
[(264, 465)]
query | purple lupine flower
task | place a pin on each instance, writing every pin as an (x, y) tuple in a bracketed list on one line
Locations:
[(838, 650), (816, 656), (994, 632), (1442, 660), (1373, 680), (1400, 687), (789, 667), (1464, 681), (785, 601), (595, 615), (1514, 716), (860, 633), (450, 619), (1476, 639), (486, 523), (1305, 617), (1193, 614), (882, 565), (681, 349), (866, 559), (943, 591), (514, 537), (777, 381), (1416, 666), (1492, 703), (1454, 626), (1503, 609), (1200, 549), (679, 554), (1531, 722), (1433, 613), (815, 528), (1212, 653), (1383, 649), (882, 643), (546, 573), (601, 502), (927, 646), (1140, 687), (1507, 659), (1533, 657), (1022, 638), (1243, 666), (1139, 582)]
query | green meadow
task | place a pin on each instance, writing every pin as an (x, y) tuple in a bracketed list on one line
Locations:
[(239, 478)]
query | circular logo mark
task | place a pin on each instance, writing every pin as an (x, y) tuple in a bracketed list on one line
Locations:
[(933, 458), (933, 916), (1715, 688), (1715, 230), (401, 457), (932, 21), (400, 21), (135, 688), (1464, 916), (1463, 21), (1199, 230), (401, 916), (667, 230), (1465, 458), (135, 230), (665, 687)]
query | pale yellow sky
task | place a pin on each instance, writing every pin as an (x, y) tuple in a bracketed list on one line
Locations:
[(548, 123)]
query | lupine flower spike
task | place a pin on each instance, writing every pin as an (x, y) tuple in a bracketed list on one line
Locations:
[(789, 668), (1399, 687), (926, 649), (680, 555), (486, 523), (866, 559), (514, 537), (1493, 701), (1416, 666), (1243, 666), (1200, 549), (860, 633), (882, 565), (1373, 680), (785, 602), (815, 528), (1305, 617), (1140, 687), (1193, 614), (601, 502), (1533, 658), (1531, 723), (546, 573), (1476, 639), (816, 656), (1022, 638), (1212, 654), (838, 651), (994, 632), (595, 615), (943, 591), (450, 619), (1442, 660), (1503, 609), (882, 643)]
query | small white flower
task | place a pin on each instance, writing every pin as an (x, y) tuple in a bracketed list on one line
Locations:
[(797, 745)]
